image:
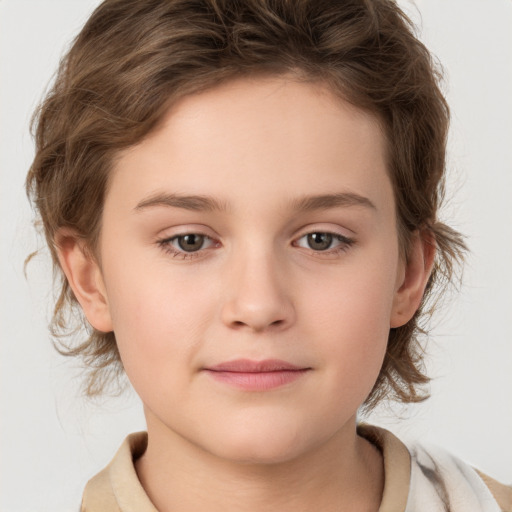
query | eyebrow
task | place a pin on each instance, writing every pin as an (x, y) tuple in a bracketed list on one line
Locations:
[(202, 203), (197, 203), (326, 201)]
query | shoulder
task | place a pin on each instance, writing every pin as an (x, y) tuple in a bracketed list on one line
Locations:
[(420, 478), (99, 495), (117, 487), (502, 493), (443, 478)]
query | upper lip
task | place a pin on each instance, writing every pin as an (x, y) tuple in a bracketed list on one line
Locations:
[(249, 366)]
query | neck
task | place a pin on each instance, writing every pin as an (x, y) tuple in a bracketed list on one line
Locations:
[(345, 473)]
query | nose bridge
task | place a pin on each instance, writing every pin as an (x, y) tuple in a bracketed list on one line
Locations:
[(257, 296)]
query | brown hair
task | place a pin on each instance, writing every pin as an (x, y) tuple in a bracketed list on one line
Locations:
[(134, 58)]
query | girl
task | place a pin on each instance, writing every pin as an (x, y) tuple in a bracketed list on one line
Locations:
[(243, 198)]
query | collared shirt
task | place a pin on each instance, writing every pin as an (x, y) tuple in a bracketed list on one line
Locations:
[(416, 479)]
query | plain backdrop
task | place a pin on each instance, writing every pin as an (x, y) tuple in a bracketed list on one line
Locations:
[(53, 440)]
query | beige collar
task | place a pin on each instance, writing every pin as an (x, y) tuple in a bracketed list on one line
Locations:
[(397, 467)]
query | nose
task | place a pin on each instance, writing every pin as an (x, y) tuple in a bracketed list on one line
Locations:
[(257, 295)]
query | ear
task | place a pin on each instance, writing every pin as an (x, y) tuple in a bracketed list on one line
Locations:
[(413, 279), (85, 278)]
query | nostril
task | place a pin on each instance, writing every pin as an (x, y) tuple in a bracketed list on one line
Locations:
[(239, 324)]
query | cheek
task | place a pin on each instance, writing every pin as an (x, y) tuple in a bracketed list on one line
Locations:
[(351, 313), (357, 298), (157, 321)]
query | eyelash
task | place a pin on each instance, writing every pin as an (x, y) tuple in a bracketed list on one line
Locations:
[(344, 243), (167, 244)]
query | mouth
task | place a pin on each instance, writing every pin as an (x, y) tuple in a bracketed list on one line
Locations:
[(256, 375)]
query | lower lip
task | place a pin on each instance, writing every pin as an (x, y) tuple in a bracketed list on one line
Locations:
[(257, 381)]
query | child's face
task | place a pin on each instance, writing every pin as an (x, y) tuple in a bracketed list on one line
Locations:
[(243, 174)]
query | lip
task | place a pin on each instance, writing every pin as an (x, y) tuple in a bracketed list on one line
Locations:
[(256, 375), (249, 366)]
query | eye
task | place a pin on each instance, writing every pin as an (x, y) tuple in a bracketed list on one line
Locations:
[(191, 242), (186, 245), (319, 241), (323, 241)]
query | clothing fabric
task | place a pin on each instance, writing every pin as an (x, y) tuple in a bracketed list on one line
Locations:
[(417, 479), (421, 479)]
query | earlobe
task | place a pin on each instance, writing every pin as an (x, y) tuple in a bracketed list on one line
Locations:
[(414, 279), (85, 279)]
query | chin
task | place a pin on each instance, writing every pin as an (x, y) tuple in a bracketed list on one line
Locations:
[(263, 453), (264, 446)]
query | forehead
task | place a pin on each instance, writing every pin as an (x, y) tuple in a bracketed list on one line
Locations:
[(255, 137)]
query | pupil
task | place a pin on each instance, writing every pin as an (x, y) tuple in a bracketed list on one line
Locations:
[(320, 241), (191, 243)]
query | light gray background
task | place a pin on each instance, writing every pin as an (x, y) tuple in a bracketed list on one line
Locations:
[(52, 440)]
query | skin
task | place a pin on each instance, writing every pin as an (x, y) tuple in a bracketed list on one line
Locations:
[(256, 289)]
